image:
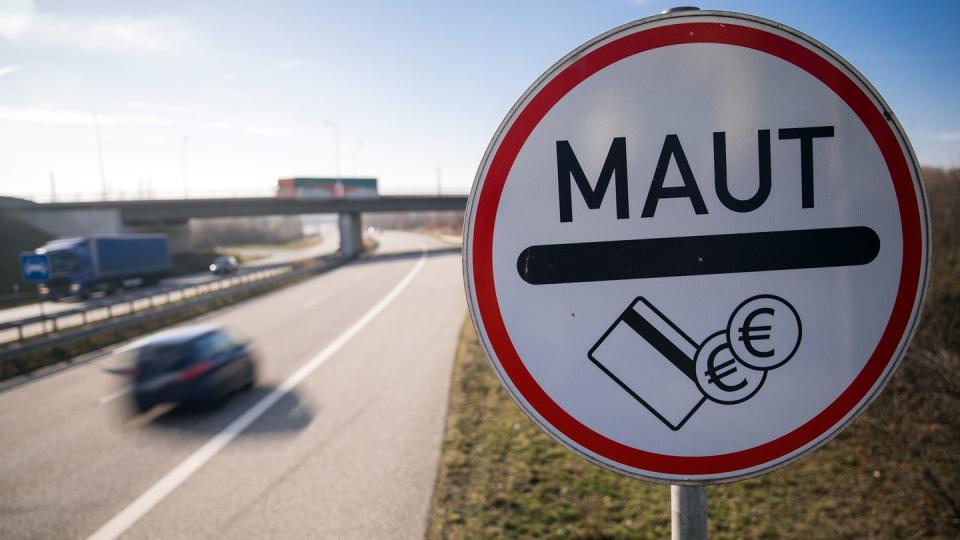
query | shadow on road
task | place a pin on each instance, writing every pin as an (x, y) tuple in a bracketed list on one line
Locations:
[(401, 255), (288, 415)]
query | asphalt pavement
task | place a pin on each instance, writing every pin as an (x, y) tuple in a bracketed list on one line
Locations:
[(340, 438)]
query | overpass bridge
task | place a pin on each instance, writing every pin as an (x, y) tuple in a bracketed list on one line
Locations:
[(171, 216)]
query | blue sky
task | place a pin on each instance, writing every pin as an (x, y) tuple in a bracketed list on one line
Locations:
[(244, 93)]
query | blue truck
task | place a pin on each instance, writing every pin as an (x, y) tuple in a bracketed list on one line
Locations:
[(103, 263)]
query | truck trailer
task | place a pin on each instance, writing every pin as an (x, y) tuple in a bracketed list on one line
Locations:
[(103, 263)]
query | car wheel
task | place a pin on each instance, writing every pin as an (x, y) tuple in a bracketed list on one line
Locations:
[(251, 378), (141, 406)]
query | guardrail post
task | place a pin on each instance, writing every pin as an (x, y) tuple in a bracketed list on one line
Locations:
[(19, 332)]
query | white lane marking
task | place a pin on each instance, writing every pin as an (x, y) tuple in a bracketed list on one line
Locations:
[(314, 301), (110, 397), (157, 492)]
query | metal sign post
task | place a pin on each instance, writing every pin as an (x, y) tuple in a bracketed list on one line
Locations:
[(35, 268), (696, 249), (688, 512)]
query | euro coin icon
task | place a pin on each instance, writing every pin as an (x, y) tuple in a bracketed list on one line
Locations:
[(764, 332), (720, 376)]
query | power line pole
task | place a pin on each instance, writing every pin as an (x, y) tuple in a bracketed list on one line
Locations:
[(53, 188), (356, 152), (336, 156), (103, 173), (183, 166)]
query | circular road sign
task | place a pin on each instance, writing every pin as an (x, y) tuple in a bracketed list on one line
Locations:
[(696, 247)]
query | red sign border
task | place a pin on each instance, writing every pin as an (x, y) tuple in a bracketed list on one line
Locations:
[(539, 103)]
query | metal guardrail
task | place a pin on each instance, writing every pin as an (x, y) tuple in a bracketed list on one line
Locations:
[(14, 334), (116, 306), (189, 296)]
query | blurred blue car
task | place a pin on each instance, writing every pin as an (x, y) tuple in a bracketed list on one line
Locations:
[(192, 365)]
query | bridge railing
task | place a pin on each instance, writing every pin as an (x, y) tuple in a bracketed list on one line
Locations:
[(159, 195)]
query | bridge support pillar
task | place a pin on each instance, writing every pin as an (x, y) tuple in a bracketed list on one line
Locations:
[(351, 235)]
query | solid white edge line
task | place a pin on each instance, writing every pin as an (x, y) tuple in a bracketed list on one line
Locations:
[(110, 397), (156, 493)]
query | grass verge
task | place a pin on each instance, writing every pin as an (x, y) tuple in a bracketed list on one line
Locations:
[(303, 243), (894, 473)]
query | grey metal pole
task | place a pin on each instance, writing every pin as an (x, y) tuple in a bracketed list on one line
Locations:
[(336, 152), (43, 317), (183, 166), (678, 9), (103, 173), (688, 512)]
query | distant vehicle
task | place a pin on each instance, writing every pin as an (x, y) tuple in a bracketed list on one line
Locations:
[(103, 263), (327, 188), (192, 365), (224, 265)]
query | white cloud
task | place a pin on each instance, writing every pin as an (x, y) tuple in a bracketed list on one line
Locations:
[(157, 108), (8, 70), (116, 34), (217, 124), (252, 129), (947, 136), (66, 117), (15, 16), (267, 131), (286, 65)]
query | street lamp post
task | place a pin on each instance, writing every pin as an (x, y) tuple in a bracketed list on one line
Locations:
[(336, 152), (356, 158), (103, 174), (183, 166)]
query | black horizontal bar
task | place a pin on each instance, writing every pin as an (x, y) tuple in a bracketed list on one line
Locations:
[(697, 255)]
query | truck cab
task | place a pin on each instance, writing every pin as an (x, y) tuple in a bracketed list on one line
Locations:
[(70, 267)]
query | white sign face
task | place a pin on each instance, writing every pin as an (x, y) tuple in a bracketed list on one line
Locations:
[(696, 248)]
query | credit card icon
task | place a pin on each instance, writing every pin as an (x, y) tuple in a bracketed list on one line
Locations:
[(653, 360)]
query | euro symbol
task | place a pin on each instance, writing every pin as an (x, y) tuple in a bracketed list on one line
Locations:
[(720, 376), (715, 377), (749, 333)]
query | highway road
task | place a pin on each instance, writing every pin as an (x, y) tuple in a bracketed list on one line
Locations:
[(340, 439), (329, 244)]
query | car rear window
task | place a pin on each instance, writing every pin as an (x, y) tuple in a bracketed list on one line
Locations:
[(162, 358), (213, 344)]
